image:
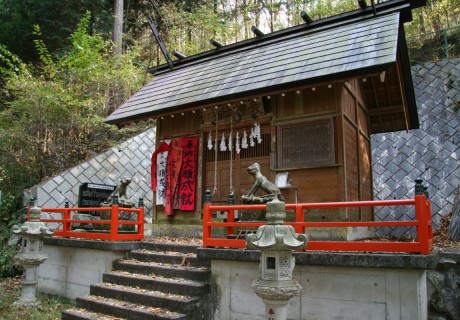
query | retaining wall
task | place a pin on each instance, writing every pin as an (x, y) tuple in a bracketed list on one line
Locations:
[(431, 152), (338, 285)]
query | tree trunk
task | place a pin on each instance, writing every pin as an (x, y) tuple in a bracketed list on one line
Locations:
[(117, 32), (453, 232)]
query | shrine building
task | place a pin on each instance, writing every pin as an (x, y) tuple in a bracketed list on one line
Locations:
[(301, 102)]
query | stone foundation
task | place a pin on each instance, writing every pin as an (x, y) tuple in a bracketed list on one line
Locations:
[(342, 285)]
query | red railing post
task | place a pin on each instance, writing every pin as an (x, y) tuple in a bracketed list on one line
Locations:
[(430, 222), (421, 216), (140, 219), (207, 218), (299, 218), (422, 229), (231, 214), (114, 219), (66, 224)]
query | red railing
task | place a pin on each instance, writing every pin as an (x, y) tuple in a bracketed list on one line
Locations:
[(422, 244), (110, 229)]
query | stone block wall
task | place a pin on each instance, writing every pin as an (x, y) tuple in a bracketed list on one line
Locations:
[(431, 152), (130, 159)]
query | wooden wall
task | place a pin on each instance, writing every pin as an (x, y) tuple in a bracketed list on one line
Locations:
[(346, 178), (316, 183), (349, 178), (179, 126), (357, 149)]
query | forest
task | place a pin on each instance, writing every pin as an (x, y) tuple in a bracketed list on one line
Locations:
[(65, 65)]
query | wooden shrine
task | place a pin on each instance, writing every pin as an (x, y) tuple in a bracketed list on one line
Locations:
[(302, 102)]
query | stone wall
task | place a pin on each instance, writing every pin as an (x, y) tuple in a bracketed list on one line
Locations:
[(67, 273), (444, 287), (130, 159), (431, 152), (334, 285)]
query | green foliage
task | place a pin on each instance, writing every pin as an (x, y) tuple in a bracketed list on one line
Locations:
[(53, 117), (434, 32), (56, 18), (7, 254), (10, 64), (40, 46), (434, 16)]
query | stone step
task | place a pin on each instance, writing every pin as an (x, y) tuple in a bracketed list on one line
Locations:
[(201, 274), (152, 282), (126, 310), (81, 314), (156, 299), (162, 280), (170, 247), (170, 257)]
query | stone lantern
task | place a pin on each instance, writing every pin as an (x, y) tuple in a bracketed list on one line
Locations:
[(276, 242), (31, 255)]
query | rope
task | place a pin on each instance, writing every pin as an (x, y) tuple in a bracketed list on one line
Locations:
[(215, 161), (231, 152)]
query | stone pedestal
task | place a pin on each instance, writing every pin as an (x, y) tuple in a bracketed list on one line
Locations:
[(276, 296), (29, 287)]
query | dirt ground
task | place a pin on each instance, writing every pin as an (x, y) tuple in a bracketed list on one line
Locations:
[(440, 236)]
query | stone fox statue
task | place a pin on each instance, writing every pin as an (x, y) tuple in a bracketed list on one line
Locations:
[(121, 191), (261, 182)]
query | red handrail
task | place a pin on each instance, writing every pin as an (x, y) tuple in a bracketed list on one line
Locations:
[(423, 243), (114, 223)]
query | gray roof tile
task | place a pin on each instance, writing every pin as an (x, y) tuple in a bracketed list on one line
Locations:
[(279, 62)]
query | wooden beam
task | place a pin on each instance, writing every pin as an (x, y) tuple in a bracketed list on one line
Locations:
[(257, 31), (386, 110), (305, 17), (402, 90), (160, 41)]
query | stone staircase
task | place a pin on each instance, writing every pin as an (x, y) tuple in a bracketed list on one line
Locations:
[(158, 281)]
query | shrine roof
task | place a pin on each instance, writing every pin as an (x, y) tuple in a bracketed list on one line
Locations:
[(351, 45)]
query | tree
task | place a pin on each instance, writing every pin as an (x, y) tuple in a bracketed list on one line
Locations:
[(117, 33), (54, 116), (56, 18)]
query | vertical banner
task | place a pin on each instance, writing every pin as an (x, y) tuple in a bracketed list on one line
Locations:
[(172, 174), (153, 170), (162, 160), (188, 173)]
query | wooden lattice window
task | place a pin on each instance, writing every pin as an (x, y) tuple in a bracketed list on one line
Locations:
[(259, 150), (305, 145)]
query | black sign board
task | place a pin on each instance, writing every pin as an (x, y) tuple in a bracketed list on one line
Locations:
[(92, 194)]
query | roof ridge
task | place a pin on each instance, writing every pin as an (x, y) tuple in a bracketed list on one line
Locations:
[(335, 21)]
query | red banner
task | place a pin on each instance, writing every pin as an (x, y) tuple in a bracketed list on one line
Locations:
[(172, 173), (187, 186)]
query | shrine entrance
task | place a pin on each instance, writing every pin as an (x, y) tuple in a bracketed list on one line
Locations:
[(231, 167)]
